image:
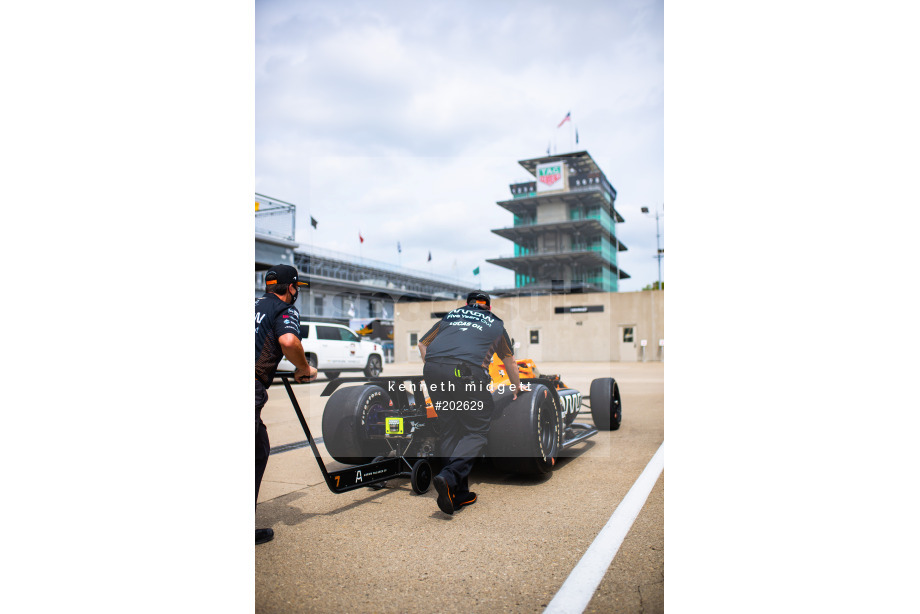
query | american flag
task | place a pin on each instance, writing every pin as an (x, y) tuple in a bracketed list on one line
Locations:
[(567, 117)]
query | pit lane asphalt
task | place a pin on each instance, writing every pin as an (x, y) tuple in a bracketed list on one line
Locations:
[(394, 551)]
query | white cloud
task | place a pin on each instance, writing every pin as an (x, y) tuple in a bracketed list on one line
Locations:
[(406, 120)]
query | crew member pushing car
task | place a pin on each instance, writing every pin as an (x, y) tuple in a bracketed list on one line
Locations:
[(277, 335), (457, 351)]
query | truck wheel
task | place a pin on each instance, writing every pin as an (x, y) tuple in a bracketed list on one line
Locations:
[(373, 368), (605, 404), (524, 438), (332, 374), (345, 423)]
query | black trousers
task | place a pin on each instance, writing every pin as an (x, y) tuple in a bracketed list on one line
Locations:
[(464, 405), (262, 445)]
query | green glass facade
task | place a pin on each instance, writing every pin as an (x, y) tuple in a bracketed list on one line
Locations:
[(565, 237)]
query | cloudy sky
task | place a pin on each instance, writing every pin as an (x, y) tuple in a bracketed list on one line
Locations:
[(404, 121)]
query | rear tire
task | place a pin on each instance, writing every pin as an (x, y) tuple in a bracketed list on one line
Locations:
[(605, 404), (344, 424), (524, 438)]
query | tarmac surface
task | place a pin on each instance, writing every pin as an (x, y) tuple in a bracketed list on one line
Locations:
[(393, 551)]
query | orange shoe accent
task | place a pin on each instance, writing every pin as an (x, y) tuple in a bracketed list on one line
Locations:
[(470, 502), (445, 499)]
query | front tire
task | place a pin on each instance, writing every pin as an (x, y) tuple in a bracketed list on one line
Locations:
[(605, 404), (345, 423), (332, 374), (524, 438)]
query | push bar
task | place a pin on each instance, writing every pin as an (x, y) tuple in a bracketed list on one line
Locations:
[(351, 478)]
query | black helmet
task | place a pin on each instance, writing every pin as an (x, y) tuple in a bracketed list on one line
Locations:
[(477, 297)]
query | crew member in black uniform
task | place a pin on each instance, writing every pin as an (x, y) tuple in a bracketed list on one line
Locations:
[(457, 351), (277, 335)]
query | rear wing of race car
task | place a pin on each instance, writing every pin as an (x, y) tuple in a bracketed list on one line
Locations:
[(397, 387), (405, 391)]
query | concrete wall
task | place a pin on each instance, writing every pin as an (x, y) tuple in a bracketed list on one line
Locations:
[(552, 212), (561, 337)]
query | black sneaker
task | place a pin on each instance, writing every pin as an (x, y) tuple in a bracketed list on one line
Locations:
[(467, 499), (445, 501), (264, 535)]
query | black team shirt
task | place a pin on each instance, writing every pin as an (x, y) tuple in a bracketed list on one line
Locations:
[(468, 334), (274, 318)]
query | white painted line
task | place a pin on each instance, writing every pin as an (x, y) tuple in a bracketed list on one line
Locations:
[(576, 592)]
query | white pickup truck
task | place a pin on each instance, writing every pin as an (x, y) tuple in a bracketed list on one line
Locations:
[(333, 348)]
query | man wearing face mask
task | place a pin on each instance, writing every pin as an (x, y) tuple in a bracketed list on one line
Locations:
[(277, 335)]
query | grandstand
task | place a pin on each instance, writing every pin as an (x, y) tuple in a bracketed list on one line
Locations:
[(343, 287)]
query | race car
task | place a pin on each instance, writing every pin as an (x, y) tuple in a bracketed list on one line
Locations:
[(388, 417)]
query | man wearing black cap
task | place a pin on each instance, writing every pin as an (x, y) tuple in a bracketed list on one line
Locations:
[(457, 351), (277, 335)]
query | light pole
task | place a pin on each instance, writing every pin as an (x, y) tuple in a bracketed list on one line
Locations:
[(660, 253)]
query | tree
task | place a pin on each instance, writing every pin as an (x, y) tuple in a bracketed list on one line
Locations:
[(654, 286)]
